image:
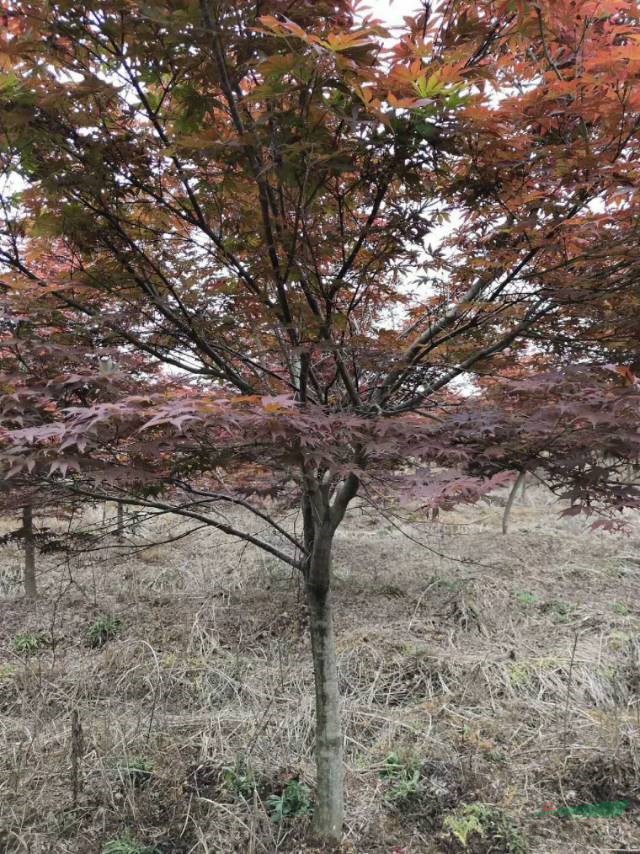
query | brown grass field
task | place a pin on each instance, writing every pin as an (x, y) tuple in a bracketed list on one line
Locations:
[(485, 679)]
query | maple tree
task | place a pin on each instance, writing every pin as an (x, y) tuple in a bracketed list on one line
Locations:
[(575, 429), (46, 366), (329, 239)]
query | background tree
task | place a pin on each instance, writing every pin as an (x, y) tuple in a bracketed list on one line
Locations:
[(254, 196), (48, 365)]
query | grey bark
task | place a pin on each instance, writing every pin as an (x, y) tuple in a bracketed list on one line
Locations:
[(30, 587), (512, 496), (120, 523), (329, 812), (321, 519)]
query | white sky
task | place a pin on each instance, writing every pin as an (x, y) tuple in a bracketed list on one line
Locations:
[(392, 11)]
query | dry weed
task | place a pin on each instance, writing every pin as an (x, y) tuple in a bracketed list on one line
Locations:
[(501, 670)]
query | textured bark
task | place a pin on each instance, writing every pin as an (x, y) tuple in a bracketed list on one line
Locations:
[(329, 812), (512, 497), (321, 518), (30, 587), (523, 493), (120, 524)]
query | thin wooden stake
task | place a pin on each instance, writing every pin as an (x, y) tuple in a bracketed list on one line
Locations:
[(77, 752)]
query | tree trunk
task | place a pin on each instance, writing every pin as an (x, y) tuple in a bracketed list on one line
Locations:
[(512, 497), (30, 588), (321, 518), (329, 811), (120, 523)]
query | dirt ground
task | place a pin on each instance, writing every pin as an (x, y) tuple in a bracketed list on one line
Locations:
[(487, 680)]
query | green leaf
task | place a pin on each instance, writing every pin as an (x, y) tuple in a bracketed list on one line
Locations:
[(604, 809), (195, 108)]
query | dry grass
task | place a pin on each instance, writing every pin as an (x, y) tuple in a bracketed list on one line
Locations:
[(506, 670)]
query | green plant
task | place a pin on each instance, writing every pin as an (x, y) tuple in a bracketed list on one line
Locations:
[(104, 629), (405, 789), (240, 779), (293, 802), (487, 822), (618, 640), (127, 844), (403, 776), (28, 643), (526, 598), (137, 770), (464, 823), (561, 611), (396, 766), (621, 609), (604, 809), (520, 674)]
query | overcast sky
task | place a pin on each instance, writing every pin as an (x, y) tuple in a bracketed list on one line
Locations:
[(392, 12)]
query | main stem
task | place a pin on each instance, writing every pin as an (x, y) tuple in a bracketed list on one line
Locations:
[(329, 811), (30, 588), (512, 497), (120, 522)]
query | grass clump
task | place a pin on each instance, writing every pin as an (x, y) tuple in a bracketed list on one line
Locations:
[(560, 612), (104, 629), (240, 780), (28, 643), (136, 770), (481, 827), (621, 609), (7, 671), (524, 597), (403, 779), (127, 844), (293, 802)]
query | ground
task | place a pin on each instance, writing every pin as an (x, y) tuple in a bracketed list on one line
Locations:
[(487, 681)]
